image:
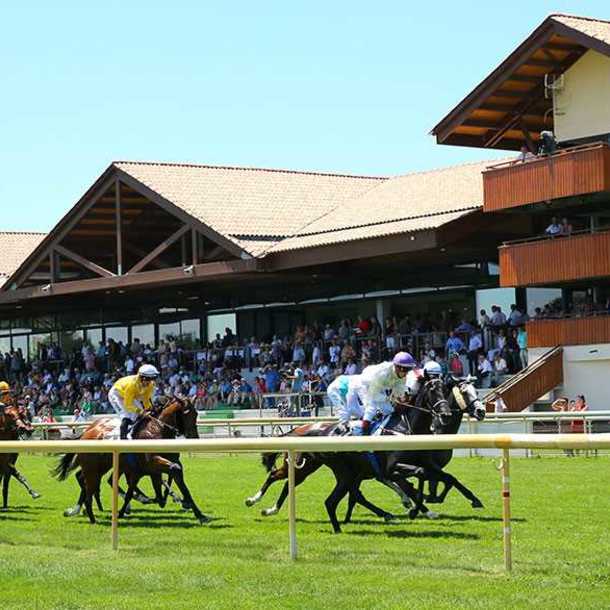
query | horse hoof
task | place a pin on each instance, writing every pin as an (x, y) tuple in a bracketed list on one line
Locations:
[(71, 512), (268, 512), (413, 513), (203, 519), (477, 503), (389, 517), (431, 515), (35, 495), (249, 502)]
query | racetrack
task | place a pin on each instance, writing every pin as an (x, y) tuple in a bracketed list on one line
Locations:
[(561, 545)]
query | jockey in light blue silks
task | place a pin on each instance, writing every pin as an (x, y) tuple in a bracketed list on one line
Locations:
[(343, 395)]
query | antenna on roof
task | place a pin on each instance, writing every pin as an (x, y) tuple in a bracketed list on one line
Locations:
[(552, 82)]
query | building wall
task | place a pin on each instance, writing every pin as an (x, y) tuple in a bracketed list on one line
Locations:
[(585, 371), (581, 108)]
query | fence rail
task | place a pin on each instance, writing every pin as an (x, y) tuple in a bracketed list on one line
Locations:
[(294, 445)]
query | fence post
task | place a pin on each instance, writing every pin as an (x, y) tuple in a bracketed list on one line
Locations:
[(506, 509), (292, 513), (115, 500)]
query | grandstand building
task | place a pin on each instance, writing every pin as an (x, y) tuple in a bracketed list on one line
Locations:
[(157, 249)]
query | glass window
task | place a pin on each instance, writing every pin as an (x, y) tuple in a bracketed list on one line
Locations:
[(93, 336), (37, 341), (21, 342), (189, 333), (170, 329), (76, 319), (5, 324), (21, 325), (5, 344), (118, 333), (43, 323), (218, 322), (145, 333), (71, 340)]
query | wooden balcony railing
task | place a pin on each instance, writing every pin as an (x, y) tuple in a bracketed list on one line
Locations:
[(553, 260), (523, 389), (574, 171), (568, 331)]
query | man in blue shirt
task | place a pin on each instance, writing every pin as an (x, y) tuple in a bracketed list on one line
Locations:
[(454, 344), (272, 382)]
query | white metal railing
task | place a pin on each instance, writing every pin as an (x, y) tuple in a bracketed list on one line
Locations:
[(294, 445)]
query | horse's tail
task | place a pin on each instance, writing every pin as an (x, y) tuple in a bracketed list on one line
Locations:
[(65, 465), (269, 459)]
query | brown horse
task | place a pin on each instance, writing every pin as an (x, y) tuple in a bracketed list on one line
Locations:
[(178, 417), (14, 425)]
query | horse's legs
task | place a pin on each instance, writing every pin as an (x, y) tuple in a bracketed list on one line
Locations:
[(14, 472), (6, 477), (277, 474), (92, 485), (75, 510), (309, 466), (157, 486), (167, 485), (344, 483), (357, 497), (450, 481), (132, 482)]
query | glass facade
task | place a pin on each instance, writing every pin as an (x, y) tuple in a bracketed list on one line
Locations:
[(118, 333), (93, 336), (145, 333)]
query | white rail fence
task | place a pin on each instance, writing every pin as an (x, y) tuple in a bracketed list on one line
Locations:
[(295, 445)]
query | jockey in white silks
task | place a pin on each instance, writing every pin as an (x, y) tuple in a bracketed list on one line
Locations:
[(343, 395), (382, 383)]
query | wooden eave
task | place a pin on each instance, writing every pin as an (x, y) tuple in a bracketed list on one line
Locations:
[(508, 109)]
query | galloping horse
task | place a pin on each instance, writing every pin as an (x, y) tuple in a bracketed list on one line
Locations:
[(179, 417), (14, 424), (351, 469)]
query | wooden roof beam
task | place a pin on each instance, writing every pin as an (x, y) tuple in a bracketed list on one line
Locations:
[(87, 264), (159, 249)]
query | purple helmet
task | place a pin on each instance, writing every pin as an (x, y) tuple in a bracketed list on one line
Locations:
[(405, 360)]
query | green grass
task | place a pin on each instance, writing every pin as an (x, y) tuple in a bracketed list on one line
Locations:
[(561, 510)]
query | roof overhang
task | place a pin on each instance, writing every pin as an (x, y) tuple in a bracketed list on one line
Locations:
[(509, 108)]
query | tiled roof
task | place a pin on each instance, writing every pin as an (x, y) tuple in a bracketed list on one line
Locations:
[(242, 203), (595, 28), (410, 225), (15, 247)]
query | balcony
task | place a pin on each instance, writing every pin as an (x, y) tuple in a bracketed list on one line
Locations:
[(553, 260), (568, 331), (574, 171)]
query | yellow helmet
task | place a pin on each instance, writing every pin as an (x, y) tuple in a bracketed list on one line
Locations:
[(4, 387)]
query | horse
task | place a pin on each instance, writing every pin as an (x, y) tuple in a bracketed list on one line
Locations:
[(178, 417), (430, 397), (462, 397), (14, 425)]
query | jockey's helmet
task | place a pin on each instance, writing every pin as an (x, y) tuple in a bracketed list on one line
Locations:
[(404, 360), (4, 387), (433, 369), (148, 371)]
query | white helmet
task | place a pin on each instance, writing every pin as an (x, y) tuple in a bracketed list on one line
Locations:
[(433, 369), (148, 371)]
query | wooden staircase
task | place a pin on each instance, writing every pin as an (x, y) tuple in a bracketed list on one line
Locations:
[(523, 389)]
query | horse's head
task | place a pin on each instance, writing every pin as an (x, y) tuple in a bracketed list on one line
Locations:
[(433, 399), (467, 399), (15, 422), (182, 415)]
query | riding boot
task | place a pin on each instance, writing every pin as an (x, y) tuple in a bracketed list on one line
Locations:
[(125, 424)]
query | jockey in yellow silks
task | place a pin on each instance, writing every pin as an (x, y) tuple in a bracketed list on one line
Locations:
[(130, 396)]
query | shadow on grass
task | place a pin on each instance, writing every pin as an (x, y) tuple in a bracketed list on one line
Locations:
[(392, 533), (478, 518)]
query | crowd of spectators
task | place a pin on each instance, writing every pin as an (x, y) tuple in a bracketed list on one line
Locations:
[(229, 371)]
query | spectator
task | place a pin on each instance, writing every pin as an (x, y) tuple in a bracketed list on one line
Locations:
[(525, 154), (454, 344), (500, 368), (475, 345), (484, 372), (554, 228), (566, 228), (515, 317), (522, 341), (577, 426), (498, 319)]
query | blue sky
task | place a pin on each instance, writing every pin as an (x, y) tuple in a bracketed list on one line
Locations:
[(334, 86)]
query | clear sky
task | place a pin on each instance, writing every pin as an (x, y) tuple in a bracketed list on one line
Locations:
[(341, 86)]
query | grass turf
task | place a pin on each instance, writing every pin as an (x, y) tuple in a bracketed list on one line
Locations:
[(561, 546)]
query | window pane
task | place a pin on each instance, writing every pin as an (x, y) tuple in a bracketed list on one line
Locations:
[(5, 344), (189, 333), (118, 333), (171, 329), (145, 333), (21, 325), (69, 341), (93, 336), (21, 342), (217, 324), (37, 341), (43, 323)]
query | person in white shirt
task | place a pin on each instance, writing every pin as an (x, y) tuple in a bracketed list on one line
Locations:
[(334, 352), (475, 345), (497, 316), (484, 371), (554, 228), (351, 368)]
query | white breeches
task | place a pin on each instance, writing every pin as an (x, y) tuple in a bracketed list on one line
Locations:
[(116, 401)]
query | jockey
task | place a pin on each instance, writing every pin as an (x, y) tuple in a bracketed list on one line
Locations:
[(431, 370), (343, 395), (132, 395), (381, 383), (5, 396)]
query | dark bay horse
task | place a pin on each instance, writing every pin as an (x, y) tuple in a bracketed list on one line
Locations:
[(14, 425), (178, 418), (350, 469)]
